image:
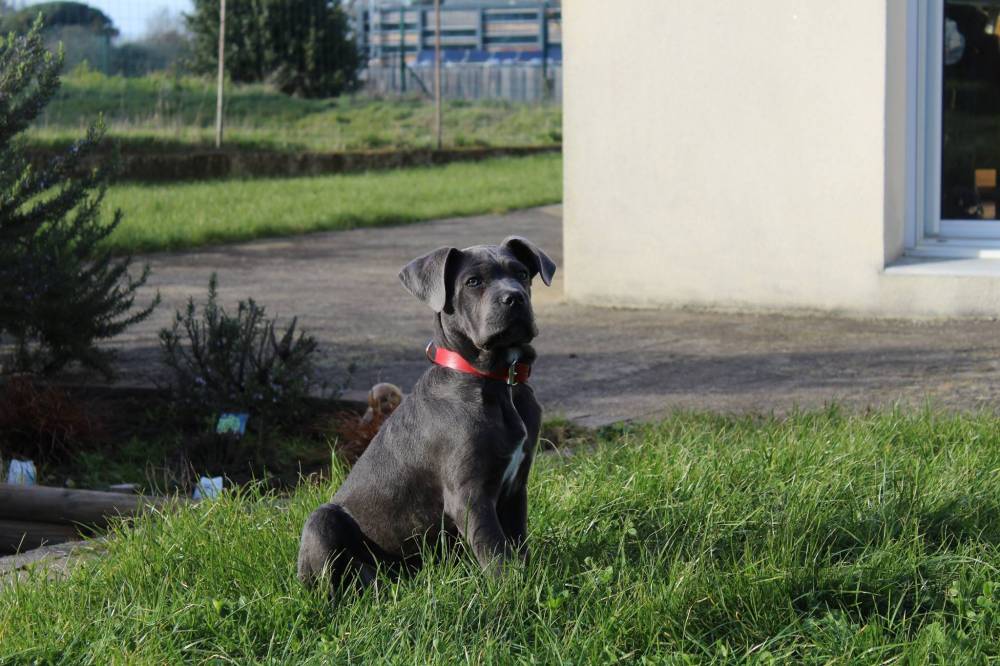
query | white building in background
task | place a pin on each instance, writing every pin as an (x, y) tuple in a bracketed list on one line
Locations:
[(784, 154)]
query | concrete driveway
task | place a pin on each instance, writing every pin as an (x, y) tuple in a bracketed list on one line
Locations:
[(597, 365)]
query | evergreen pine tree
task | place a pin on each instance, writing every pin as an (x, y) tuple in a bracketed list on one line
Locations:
[(61, 291)]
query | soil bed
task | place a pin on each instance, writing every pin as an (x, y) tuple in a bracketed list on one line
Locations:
[(102, 436)]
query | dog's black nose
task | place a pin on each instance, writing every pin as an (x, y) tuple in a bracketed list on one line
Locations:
[(512, 298)]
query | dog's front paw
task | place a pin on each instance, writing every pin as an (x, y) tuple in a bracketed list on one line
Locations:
[(511, 560), (495, 567)]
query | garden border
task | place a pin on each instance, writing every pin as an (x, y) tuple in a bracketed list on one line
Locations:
[(234, 163)]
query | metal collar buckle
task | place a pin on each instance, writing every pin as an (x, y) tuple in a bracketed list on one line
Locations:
[(512, 375)]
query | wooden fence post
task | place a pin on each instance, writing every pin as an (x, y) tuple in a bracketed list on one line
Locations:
[(222, 73), (437, 73)]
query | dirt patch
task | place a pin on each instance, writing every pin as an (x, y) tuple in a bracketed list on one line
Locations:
[(55, 561)]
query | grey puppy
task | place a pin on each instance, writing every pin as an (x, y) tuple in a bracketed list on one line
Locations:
[(455, 455)]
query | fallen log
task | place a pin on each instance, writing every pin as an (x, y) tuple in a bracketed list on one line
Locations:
[(42, 504), (17, 536)]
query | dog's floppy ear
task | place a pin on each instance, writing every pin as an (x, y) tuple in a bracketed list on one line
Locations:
[(426, 277), (528, 253)]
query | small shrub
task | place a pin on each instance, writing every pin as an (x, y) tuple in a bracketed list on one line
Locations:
[(561, 433), (43, 423), (238, 362), (373, 140), (353, 434)]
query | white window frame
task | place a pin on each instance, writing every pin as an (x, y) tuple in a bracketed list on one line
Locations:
[(926, 233)]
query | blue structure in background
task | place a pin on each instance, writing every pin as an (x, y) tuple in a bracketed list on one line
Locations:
[(498, 33), (471, 56), (491, 50)]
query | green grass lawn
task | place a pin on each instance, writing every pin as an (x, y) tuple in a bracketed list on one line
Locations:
[(820, 538), (174, 216), (161, 113)]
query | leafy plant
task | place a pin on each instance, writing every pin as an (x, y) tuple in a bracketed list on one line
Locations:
[(61, 291), (43, 423), (238, 362)]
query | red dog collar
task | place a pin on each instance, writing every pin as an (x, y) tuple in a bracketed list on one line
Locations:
[(513, 375)]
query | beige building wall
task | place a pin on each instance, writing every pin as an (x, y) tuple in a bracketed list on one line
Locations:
[(744, 154)]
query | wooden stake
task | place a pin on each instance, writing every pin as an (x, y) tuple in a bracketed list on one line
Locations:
[(437, 72), (222, 73)]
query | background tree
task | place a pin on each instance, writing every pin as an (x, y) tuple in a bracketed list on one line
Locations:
[(85, 33), (60, 14), (60, 292), (303, 47), (165, 45)]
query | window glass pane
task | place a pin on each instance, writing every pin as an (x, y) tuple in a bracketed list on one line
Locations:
[(970, 151)]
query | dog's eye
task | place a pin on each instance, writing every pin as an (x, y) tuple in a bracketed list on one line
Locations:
[(473, 282), (523, 275)]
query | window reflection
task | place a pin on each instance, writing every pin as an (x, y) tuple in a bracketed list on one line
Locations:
[(971, 110)]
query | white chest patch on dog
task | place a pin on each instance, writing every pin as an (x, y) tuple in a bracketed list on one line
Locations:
[(516, 459)]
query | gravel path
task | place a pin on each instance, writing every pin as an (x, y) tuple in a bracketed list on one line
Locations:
[(597, 365)]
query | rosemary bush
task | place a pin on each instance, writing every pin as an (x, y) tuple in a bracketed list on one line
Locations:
[(238, 361)]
